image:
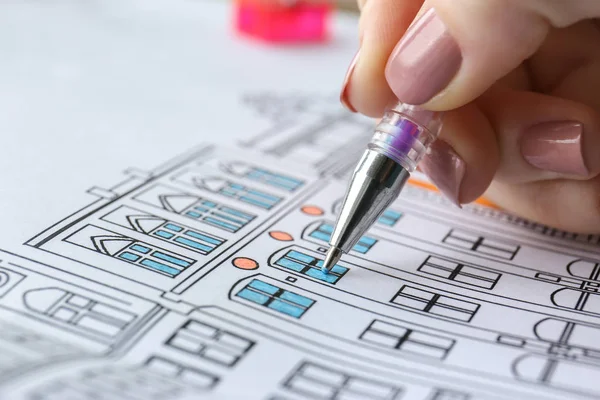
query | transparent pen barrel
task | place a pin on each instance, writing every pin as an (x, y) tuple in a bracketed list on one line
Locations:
[(405, 133)]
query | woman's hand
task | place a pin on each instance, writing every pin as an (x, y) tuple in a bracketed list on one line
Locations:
[(522, 78)]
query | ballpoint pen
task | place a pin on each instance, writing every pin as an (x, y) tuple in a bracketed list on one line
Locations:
[(401, 139)]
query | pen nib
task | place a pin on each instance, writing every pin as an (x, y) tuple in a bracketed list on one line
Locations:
[(333, 256)]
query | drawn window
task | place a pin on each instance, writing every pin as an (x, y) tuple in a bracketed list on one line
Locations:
[(130, 250), (324, 231), (407, 340), (310, 266), (168, 231), (445, 394), (159, 379), (154, 259), (197, 208), (222, 217), (490, 247), (210, 343), (389, 217), (195, 240), (184, 374), (277, 180), (275, 298), (318, 382), (240, 192), (435, 304), (459, 272), (78, 311)]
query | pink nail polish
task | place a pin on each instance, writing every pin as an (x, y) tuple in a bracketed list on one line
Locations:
[(555, 146), (344, 93), (424, 61), (445, 168)]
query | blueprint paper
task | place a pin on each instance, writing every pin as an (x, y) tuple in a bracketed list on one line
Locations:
[(200, 278), (138, 263)]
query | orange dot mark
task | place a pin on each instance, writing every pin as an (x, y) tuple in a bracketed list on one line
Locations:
[(244, 263), (281, 236), (426, 185), (312, 210)]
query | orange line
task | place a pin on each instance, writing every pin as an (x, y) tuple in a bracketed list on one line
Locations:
[(426, 185)]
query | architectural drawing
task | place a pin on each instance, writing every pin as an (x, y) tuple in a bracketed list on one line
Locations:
[(202, 277)]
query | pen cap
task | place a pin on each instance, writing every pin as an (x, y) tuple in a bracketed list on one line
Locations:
[(405, 132)]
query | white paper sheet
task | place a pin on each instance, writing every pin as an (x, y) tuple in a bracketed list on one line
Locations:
[(137, 264)]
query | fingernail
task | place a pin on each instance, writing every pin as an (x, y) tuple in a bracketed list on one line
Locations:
[(344, 93), (555, 146), (445, 168), (424, 61)]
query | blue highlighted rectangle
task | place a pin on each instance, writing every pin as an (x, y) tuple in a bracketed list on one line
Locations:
[(367, 241), (326, 228), (389, 217), (321, 236), (263, 287), (275, 298), (140, 249), (253, 201), (253, 296), (289, 264), (338, 270), (160, 267), (228, 218), (192, 243), (164, 234), (266, 196), (300, 256), (193, 214), (237, 213), (200, 236), (222, 224), (286, 308), (360, 248), (320, 275), (173, 227), (171, 259), (129, 256), (310, 266), (296, 299), (209, 204)]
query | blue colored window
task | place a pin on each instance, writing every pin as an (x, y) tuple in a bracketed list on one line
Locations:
[(277, 180), (222, 217), (389, 217), (154, 259), (249, 195), (275, 298), (310, 266), (196, 241), (324, 231)]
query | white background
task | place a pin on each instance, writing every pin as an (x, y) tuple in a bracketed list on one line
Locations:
[(90, 88)]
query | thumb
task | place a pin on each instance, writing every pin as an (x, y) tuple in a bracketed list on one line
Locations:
[(456, 49)]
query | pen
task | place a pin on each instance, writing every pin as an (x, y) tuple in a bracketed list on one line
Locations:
[(401, 139)]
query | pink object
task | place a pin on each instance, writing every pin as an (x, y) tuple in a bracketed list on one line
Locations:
[(274, 21)]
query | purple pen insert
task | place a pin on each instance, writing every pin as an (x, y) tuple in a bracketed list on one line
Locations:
[(404, 134)]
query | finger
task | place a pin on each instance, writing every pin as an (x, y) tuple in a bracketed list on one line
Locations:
[(462, 162), (542, 137), (569, 205), (459, 48), (382, 23), (563, 58)]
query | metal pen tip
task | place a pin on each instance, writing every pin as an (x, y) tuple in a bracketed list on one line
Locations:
[(333, 256)]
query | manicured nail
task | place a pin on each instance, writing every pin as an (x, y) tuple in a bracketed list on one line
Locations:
[(555, 146), (424, 61), (344, 94), (445, 168)]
